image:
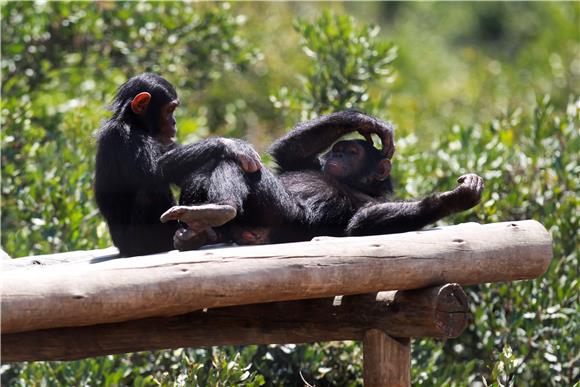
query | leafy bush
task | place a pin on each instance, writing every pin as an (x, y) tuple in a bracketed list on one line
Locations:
[(530, 165), (52, 51), (523, 333), (349, 66)]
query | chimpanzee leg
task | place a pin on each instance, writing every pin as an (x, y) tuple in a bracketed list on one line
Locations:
[(259, 202), (227, 185), (257, 197), (210, 197)]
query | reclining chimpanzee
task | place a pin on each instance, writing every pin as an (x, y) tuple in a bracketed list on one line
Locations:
[(339, 193)]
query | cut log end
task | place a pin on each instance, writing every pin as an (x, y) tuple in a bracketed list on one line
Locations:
[(451, 310)]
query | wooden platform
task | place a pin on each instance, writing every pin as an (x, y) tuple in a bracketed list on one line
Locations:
[(80, 304)]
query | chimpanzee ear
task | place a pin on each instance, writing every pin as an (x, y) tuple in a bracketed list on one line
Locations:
[(383, 169), (140, 103)]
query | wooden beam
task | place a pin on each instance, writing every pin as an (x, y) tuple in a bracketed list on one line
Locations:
[(435, 312), (4, 256), (176, 283), (386, 361), (88, 257)]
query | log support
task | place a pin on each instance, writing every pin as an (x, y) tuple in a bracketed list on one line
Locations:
[(387, 361), (441, 312)]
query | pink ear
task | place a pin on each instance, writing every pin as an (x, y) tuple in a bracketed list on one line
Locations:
[(383, 169), (140, 103)]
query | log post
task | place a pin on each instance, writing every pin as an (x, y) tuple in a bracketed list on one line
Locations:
[(171, 284), (435, 312), (386, 361)]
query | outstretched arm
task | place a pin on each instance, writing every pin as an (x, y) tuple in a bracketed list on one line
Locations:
[(183, 159), (299, 149), (396, 217)]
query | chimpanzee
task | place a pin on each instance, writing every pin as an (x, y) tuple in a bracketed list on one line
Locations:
[(343, 192), (137, 159)]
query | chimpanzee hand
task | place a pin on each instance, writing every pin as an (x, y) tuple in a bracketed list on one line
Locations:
[(372, 126), (246, 156), (467, 194)]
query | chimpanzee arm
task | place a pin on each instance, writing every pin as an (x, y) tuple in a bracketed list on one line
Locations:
[(299, 149), (396, 217), (182, 160)]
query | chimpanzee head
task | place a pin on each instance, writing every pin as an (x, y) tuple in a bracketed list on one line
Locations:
[(146, 102), (360, 165)]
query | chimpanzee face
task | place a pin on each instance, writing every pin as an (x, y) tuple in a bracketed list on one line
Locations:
[(345, 159), (167, 128)]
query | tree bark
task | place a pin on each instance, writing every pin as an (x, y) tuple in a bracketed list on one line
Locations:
[(435, 312), (176, 283)]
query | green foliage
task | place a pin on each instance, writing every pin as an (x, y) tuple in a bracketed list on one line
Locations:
[(59, 66), (348, 64), (503, 370), (220, 368), (162, 368), (531, 168), (465, 100)]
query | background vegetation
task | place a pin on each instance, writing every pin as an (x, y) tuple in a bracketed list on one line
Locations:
[(485, 87)]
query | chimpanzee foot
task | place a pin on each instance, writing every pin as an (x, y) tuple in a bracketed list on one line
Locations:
[(200, 217), (186, 239)]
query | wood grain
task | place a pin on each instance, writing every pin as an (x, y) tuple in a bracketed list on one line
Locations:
[(176, 283)]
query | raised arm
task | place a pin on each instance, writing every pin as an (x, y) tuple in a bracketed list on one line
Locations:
[(300, 148), (179, 162)]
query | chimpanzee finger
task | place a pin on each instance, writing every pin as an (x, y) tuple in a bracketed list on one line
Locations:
[(184, 234), (249, 165), (174, 213), (245, 163), (473, 183), (211, 235), (461, 179), (388, 144), (257, 163), (479, 184), (368, 137)]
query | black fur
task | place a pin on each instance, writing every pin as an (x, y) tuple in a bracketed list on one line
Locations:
[(133, 171), (302, 201)]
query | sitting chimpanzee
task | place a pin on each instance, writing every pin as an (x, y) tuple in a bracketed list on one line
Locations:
[(137, 159), (339, 193)]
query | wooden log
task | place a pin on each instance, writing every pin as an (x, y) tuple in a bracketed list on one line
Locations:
[(176, 283), (4, 256), (89, 256), (386, 361), (435, 312)]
